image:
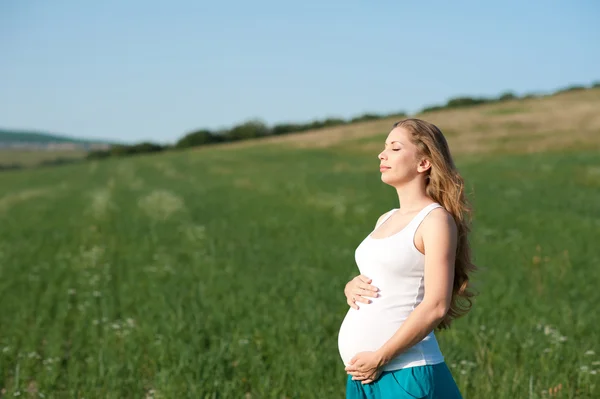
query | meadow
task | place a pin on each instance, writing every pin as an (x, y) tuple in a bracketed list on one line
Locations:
[(219, 272)]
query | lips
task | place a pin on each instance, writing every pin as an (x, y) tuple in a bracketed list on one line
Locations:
[(382, 168)]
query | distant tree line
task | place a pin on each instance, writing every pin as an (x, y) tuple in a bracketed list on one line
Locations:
[(255, 128), (459, 102), (247, 130)]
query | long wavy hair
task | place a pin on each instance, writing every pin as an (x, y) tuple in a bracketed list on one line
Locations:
[(446, 186)]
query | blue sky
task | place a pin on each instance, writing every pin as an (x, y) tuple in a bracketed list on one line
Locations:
[(148, 70)]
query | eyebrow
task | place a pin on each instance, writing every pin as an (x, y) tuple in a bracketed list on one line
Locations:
[(392, 142)]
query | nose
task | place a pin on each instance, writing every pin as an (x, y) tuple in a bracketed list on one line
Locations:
[(381, 156)]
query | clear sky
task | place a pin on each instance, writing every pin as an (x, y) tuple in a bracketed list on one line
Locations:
[(147, 70)]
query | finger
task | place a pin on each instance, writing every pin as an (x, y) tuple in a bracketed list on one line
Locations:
[(357, 292), (364, 279), (361, 292), (359, 298), (354, 372), (368, 287), (359, 377), (366, 381), (365, 293), (352, 304)]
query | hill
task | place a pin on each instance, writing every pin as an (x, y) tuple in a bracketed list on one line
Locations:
[(22, 148), (25, 136), (565, 120)]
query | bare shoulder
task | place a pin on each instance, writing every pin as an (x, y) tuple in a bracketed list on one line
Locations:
[(440, 219)]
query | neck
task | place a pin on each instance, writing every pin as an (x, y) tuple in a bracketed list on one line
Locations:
[(412, 196)]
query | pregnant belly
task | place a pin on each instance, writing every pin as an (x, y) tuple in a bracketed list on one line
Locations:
[(364, 330)]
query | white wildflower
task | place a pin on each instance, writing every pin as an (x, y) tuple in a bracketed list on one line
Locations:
[(161, 204), (590, 353)]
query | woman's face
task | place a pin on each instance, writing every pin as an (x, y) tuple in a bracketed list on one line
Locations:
[(399, 161)]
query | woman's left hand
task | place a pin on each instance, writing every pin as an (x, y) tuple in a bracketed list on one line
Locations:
[(365, 367)]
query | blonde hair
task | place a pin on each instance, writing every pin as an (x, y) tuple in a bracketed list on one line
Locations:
[(446, 186)]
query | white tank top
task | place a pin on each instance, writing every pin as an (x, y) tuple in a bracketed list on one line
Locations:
[(397, 269)]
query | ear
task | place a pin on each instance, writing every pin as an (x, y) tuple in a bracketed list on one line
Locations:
[(424, 165)]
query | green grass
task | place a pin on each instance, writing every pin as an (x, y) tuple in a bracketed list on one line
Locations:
[(220, 274)]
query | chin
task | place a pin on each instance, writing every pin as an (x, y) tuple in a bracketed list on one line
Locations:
[(394, 181), (386, 179)]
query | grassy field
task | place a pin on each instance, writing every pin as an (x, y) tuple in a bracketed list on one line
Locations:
[(219, 273)]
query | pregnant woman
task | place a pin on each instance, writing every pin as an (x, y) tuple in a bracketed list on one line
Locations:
[(418, 261)]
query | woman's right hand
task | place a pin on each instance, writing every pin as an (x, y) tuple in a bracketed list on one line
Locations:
[(358, 289)]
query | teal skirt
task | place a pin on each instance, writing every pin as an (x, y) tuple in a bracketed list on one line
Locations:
[(421, 382)]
